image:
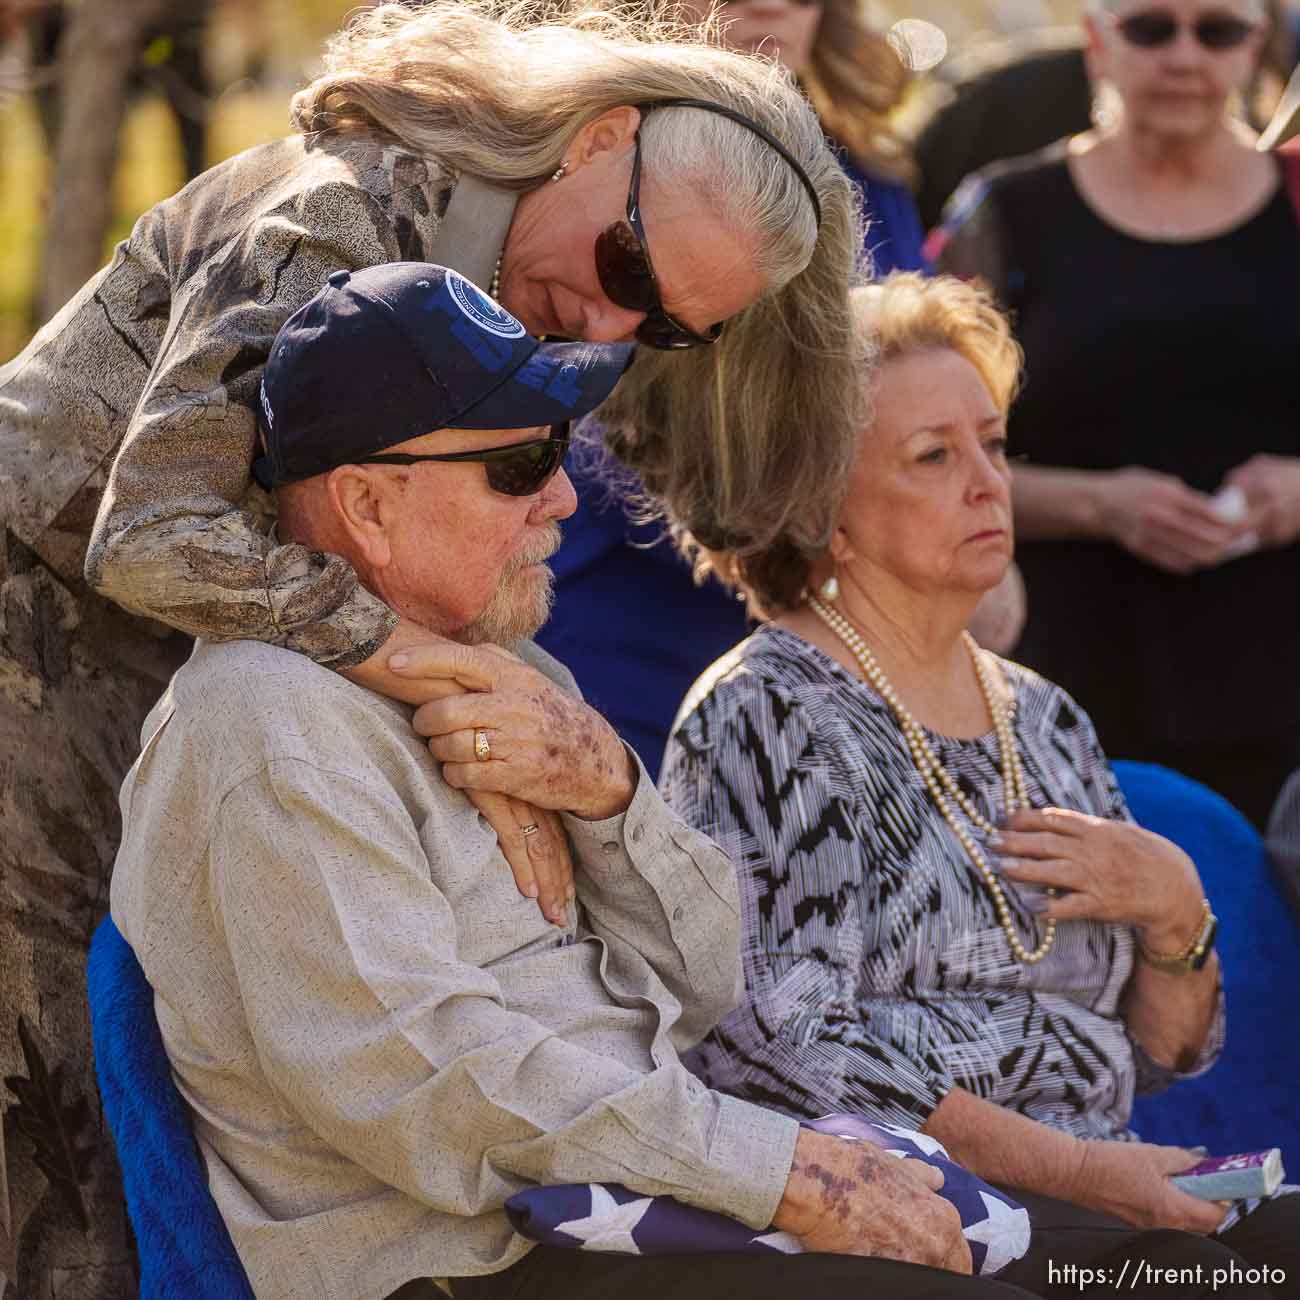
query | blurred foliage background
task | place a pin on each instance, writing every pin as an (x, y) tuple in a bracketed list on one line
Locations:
[(256, 52)]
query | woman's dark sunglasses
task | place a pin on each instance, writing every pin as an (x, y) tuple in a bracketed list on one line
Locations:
[(628, 279), (1152, 28), (519, 469)]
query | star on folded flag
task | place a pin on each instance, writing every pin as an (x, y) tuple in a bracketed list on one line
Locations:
[(609, 1226), (1004, 1234)]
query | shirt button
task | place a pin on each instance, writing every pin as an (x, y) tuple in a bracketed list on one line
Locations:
[(678, 913), (638, 834), (610, 846)]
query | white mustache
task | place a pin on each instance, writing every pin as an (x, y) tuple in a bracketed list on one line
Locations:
[(537, 550)]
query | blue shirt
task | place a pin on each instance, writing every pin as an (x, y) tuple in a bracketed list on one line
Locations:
[(894, 232), (629, 621)]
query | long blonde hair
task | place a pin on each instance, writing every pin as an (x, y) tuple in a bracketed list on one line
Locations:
[(500, 89), (855, 80)]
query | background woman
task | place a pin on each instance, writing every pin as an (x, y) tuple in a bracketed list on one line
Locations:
[(500, 147), (629, 620), (951, 921), (1153, 266)]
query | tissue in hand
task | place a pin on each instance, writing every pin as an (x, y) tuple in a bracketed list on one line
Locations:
[(1230, 504)]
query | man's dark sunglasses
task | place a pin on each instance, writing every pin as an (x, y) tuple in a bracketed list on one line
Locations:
[(519, 469), (1152, 28), (628, 279)]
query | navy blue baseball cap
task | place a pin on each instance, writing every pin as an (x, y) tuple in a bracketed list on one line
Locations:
[(396, 351)]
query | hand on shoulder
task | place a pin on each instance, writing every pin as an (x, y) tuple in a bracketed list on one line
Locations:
[(514, 731), (532, 838)]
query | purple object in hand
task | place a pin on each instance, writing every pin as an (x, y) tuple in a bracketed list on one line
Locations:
[(1233, 1178)]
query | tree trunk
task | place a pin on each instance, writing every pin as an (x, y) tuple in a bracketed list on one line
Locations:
[(99, 51)]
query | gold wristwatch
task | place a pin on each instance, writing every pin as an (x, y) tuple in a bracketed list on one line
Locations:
[(1194, 955)]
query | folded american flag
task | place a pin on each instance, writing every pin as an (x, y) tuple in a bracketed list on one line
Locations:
[(608, 1217)]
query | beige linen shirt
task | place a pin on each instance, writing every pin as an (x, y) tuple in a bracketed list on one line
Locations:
[(379, 1039)]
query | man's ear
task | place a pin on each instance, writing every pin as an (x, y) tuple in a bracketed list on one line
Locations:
[(609, 134), (359, 498)]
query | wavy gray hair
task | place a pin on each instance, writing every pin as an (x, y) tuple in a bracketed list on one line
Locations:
[(500, 89)]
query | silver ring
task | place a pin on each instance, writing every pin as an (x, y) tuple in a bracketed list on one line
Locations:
[(531, 829), (482, 750)]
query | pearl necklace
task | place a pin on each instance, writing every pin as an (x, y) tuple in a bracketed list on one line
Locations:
[(937, 779), (494, 289)]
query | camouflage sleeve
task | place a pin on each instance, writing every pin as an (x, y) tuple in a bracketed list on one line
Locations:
[(170, 540)]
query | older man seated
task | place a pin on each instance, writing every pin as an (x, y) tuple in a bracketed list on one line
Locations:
[(379, 1039)]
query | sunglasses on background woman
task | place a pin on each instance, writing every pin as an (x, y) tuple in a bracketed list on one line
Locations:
[(1153, 28)]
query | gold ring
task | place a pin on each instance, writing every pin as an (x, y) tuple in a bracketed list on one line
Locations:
[(531, 829), (482, 750)]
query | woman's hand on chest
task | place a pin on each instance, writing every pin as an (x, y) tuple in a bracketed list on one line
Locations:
[(1103, 871)]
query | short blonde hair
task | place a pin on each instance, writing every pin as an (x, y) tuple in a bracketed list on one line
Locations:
[(904, 313), (907, 312)]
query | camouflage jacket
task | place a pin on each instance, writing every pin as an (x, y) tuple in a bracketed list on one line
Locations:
[(127, 426)]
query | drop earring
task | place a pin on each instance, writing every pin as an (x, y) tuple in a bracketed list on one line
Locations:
[(559, 171), (830, 589)]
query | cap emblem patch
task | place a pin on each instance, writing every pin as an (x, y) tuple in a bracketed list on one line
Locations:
[(482, 310)]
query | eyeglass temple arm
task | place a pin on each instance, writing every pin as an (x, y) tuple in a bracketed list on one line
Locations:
[(634, 187)]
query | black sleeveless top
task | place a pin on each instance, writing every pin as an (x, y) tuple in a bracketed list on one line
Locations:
[(1185, 358)]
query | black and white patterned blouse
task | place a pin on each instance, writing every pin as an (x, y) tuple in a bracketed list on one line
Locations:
[(877, 976)]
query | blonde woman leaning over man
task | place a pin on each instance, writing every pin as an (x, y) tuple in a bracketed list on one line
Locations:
[(478, 136), (627, 606), (951, 921)]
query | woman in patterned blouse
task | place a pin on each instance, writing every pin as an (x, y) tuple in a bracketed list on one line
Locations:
[(919, 951)]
